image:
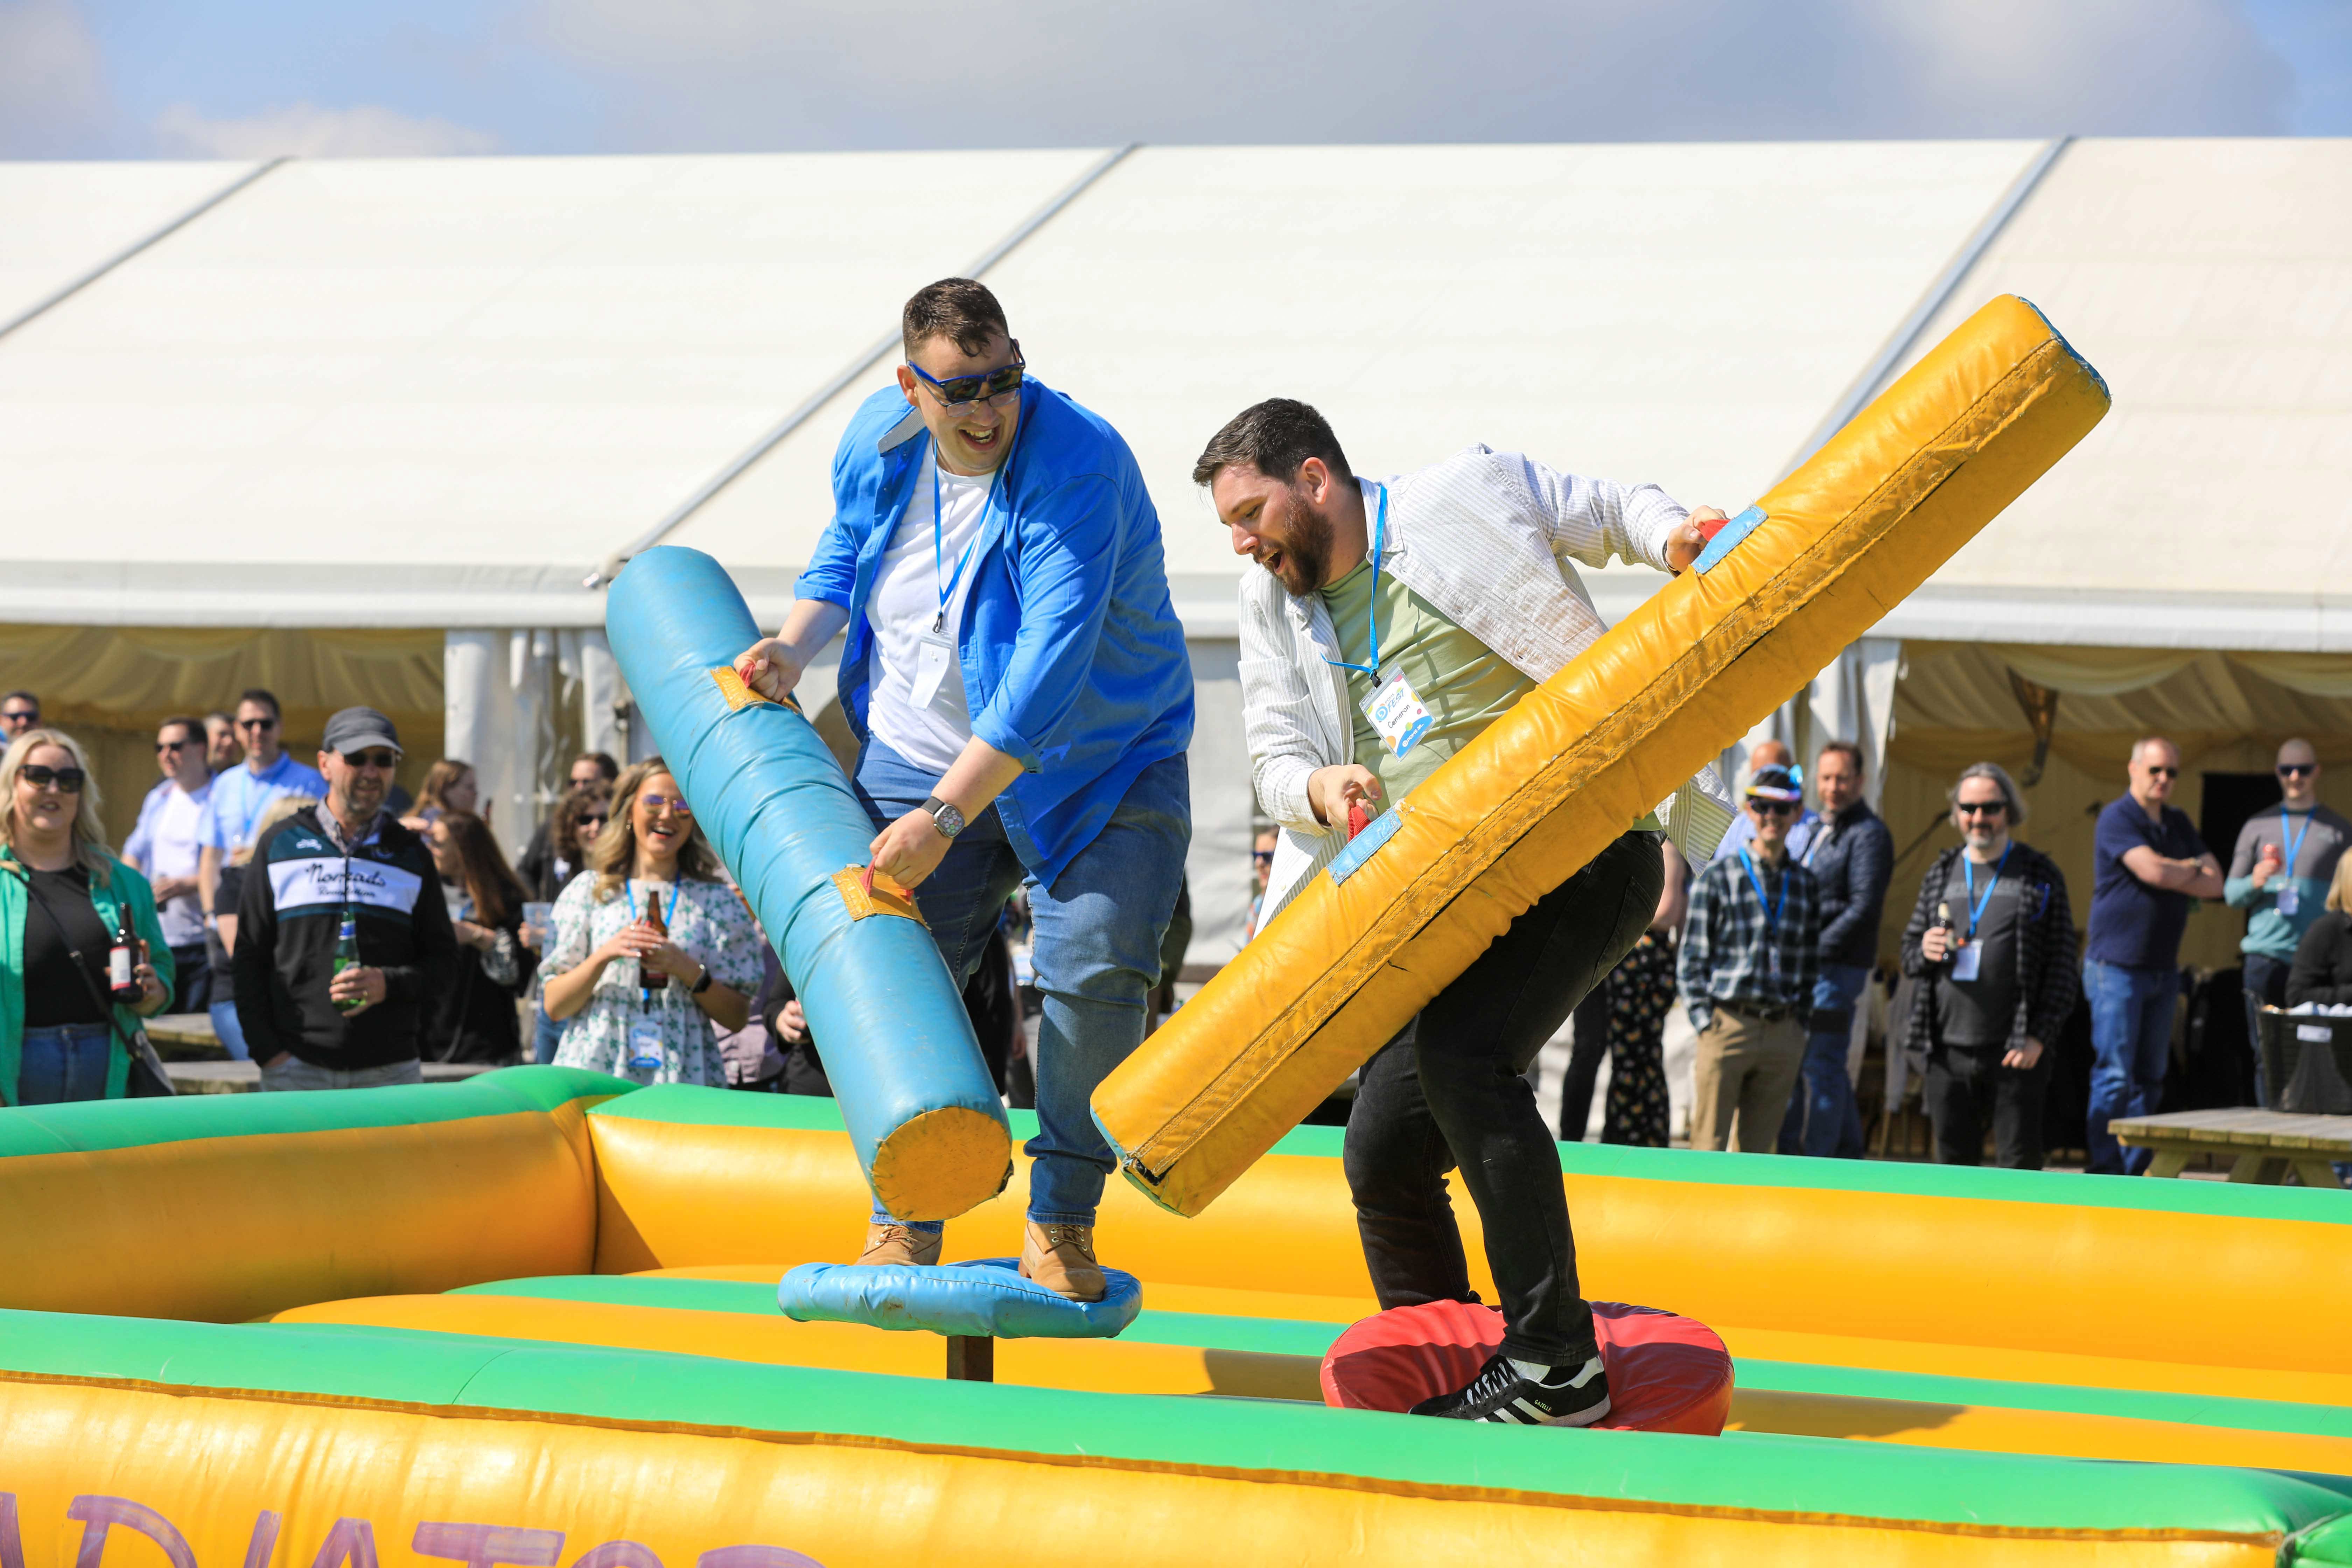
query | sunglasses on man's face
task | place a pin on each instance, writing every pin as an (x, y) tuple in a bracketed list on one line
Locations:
[(2159, 771), (64, 781), (1773, 807), (19, 715), (2296, 770), (257, 723), (1982, 808), (376, 759), (597, 820), (958, 393), (173, 745)]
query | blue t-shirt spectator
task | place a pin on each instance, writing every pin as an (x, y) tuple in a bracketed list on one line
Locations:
[(240, 796), (2133, 924)]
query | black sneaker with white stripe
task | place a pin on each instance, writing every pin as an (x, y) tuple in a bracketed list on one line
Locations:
[(1567, 1396)]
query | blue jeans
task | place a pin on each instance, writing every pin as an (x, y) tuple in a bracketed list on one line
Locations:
[(1096, 951), (546, 1033), (63, 1062), (1822, 1119), (2131, 1045), (229, 1031)]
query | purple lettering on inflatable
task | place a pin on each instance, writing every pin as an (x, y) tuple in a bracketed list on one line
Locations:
[(612, 1554), (100, 1514), (755, 1557), (352, 1540), (265, 1540), (485, 1545), (12, 1544)]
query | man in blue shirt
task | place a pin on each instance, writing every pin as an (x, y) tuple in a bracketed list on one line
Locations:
[(239, 796), (2147, 865), (1019, 682)]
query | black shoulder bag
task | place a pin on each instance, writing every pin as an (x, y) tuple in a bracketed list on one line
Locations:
[(147, 1079)]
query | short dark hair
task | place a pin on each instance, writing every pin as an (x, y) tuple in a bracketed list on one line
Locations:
[(956, 309), (1274, 438), (264, 696), (24, 696), (604, 763), (1847, 750), (195, 727)]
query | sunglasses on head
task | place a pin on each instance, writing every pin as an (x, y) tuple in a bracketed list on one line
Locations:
[(961, 392), (379, 758), (2296, 770), (1773, 807), (257, 723), (65, 781), (1982, 808), (676, 804)]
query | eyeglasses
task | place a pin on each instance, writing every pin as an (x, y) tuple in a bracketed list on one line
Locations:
[(1773, 807), (1981, 808), (2159, 771), (65, 781), (257, 723), (173, 745), (958, 393), (2296, 770), (375, 759), (676, 804)]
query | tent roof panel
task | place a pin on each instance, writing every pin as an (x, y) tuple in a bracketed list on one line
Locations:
[(59, 221)]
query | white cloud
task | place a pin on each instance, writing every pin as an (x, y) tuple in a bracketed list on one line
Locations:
[(826, 73), (52, 83), (305, 129)]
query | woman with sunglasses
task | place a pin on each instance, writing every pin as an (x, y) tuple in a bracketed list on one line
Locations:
[(606, 945), (572, 832), (65, 902)]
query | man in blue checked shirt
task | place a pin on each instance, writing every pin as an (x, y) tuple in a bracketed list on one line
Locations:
[(1750, 953), (1019, 683)]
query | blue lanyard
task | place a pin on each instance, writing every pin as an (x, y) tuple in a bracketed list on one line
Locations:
[(1772, 907), (2294, 845), (937, 545), (1372, 614), (1977, 906)]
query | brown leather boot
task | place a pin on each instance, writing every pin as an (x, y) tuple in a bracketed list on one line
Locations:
[(1061, 1257), (899, 1244)]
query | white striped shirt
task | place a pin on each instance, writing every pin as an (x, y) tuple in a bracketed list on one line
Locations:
[(1487, 537)]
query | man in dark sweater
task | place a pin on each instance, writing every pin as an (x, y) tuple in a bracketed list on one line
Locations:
[(1851, 858), (345, 862), (1992, 945)]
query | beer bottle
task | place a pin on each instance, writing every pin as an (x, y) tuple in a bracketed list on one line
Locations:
[(347, 956), (653, 979), (122, 986), (1944, 923)]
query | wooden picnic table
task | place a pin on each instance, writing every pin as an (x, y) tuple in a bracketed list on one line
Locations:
[(242, 1077), (2263, 1144)]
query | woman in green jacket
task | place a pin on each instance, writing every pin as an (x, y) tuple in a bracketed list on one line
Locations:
[(64, 903)]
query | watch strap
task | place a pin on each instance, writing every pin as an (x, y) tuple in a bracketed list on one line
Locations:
[(944, 816)]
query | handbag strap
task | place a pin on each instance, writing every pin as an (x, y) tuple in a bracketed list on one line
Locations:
[(81, 966)]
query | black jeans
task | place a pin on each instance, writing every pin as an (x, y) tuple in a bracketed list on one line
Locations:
[(1967, 1087), (1448, 1092)]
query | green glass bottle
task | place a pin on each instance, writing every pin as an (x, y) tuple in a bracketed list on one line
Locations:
[(347, 956)]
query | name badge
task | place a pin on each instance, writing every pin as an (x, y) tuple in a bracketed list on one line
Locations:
[(1965, 960), (934, 651), (1398, 714), (2290, 899)]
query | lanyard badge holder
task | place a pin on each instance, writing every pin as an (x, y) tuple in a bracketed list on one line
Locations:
[(1772, 908), (1396, 710), (2290, 897), (1969, 957), (643, 1052), (935, 649)]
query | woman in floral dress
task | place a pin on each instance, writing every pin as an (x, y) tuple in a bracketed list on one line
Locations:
[(603, 944)]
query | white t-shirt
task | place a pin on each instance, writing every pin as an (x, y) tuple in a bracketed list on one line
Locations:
[(903, 607)]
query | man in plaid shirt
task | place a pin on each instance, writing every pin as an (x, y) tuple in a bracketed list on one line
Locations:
[(1750, 953)]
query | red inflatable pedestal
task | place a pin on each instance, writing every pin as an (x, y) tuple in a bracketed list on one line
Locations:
[(1666, 1373)]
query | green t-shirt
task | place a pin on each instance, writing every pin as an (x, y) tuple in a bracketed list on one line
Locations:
[(1464, 684)]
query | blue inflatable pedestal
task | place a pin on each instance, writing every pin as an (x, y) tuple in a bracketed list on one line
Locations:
[(974, 1304)]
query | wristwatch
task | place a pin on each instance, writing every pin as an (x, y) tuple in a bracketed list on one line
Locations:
[(945, 817), (701, 986)]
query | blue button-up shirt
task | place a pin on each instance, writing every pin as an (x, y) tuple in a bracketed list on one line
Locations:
[(1074, 662)]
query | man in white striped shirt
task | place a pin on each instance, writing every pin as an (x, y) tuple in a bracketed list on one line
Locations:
[(1392, 623)]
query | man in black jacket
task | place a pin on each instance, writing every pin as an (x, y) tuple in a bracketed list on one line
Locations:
[(1991, 944), (345, 862), (1852, 856)]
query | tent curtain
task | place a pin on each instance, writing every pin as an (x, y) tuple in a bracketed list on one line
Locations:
[(2095, 671)]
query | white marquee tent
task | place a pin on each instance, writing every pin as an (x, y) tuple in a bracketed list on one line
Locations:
[(362, 429)]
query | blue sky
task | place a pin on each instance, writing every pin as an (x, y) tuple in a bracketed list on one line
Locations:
[(246, 77)]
